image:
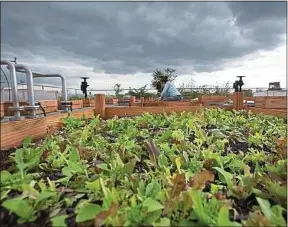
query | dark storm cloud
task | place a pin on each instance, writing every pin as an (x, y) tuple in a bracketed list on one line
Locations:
[(128, 37)]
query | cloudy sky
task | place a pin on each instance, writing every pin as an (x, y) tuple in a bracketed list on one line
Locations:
[(126, 41)]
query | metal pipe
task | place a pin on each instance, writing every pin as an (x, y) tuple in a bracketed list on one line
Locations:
[(63, 82), (15, 100), (30, 87)]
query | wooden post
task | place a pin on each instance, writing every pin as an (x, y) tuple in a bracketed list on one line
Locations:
[(238, 98), (100, 105), (200, 99), (142, 101), (132, 100)]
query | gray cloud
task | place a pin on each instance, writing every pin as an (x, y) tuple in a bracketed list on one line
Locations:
[(130, 37)]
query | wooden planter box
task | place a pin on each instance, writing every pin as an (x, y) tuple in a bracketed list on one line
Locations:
[(13, 133), (8, 112), (77, 104), (268, 102), (249, 98), (48, 105), (112, 101), (88, 102), (1, 109), (212, 100)]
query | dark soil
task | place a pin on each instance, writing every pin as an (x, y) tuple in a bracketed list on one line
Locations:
[(242, 205), (139, 168), (55, 175), (235, 147), (207, 187), (191, 137), (10, 219), (4, 159)]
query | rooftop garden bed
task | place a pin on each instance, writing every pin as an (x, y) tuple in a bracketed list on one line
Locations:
[(211, 168)]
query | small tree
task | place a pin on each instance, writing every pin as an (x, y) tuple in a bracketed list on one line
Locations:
[(248, 93), (158, 75), (117, 89), (140, 92)]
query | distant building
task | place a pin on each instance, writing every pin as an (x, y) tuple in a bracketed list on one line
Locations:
[(274, 86), (273, 90)]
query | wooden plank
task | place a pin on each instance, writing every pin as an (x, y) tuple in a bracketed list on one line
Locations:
[(249, 98), (272, 112), (111, 101), (100, 105), (238, 98), (88, 102), (49, 105), (1, 109), (166, 103), (13, 133), (134, 111), (77, 104), (211, 100), (260, 101), (277, 102), (271, 102)]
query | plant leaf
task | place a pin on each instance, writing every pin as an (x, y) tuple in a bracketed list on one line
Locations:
[(178, 162), (223, 218), (20, 207), (152, 205), (227, 176), (163, 222), (103, 166), (265, 207), (179, 185), (27, 141), (74, 155), (129, 167), (273, 214), (152, 189), (103, 215), (199, 180), (153, 152), (59, 221), (88, 212)]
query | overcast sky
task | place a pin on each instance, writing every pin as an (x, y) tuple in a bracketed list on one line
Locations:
[(126, 41)]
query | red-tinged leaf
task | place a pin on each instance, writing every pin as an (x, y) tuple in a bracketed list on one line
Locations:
[(281, 147), (102, 216), (45, 155), (168, 208), (60, 124), (199, 180), (275, 176), (179, 185), (153, 152), (240, 192), (256, 219), (209, 164), (220, 196)]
